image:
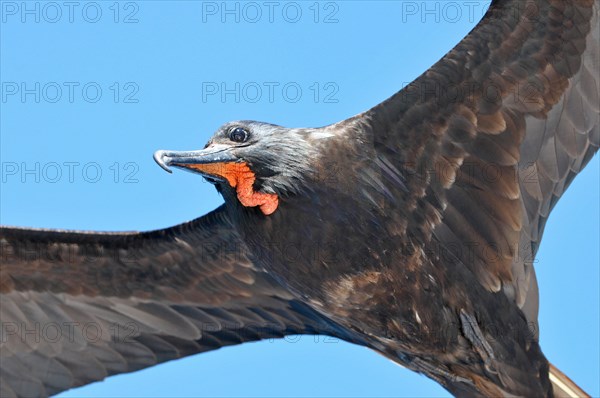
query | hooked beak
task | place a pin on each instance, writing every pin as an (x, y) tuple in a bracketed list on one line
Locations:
[(218, 165), (210, 162)]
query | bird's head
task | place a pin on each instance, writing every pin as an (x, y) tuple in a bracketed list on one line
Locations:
[(260, 162)]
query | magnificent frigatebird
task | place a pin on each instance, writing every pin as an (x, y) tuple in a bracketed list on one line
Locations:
[(378, 201)]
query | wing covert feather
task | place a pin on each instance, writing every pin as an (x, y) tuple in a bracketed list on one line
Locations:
[(77, 307), (490, 137)]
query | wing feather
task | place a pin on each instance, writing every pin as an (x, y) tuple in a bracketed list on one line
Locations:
[(491, 136), (78, 307)]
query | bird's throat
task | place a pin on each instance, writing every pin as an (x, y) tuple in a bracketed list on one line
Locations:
[(241, 177)]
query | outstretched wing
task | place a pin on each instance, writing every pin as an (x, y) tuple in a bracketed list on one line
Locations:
[(78, 307), (490, 137)]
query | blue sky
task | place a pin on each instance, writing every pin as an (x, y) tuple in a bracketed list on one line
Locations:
[(91, 90)]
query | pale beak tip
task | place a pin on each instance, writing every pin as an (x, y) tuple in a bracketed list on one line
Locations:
[(159, 158)]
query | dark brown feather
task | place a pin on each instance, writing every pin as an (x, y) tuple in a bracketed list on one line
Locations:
[(125, 301), (525, 123)]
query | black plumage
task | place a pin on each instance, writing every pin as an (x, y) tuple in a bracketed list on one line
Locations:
[(421, 248)]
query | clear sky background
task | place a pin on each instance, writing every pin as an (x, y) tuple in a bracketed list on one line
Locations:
[(117, 85)]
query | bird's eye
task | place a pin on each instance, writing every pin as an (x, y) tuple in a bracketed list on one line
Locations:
[(238, 134)]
